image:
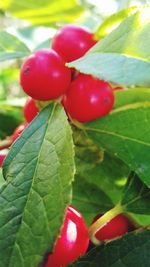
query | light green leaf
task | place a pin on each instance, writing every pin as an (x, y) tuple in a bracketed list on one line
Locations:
[(130, 250), (130, 38), (38, 171), (45, 12), (113, 21), (141, 219), (133, 95), (113, 133), (117, 68), (136, 196), (11, 47), (123, 56)]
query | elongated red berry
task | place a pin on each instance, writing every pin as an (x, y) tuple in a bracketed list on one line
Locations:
[(73, 41), (73, 241), (44, 75)]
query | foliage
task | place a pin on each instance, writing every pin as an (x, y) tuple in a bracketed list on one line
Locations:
[(111, 154)]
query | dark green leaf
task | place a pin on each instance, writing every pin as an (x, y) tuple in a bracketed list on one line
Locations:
[(113, 132), (101, 169), (131, 250), (99, 178), (38, 171), (136, 196), (2, 181), (89, 199)]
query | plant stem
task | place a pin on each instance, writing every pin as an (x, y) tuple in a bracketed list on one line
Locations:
[(96, 226)]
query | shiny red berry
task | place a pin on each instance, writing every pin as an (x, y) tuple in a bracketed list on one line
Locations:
[(44, 75), (72, 42), (88, 98), (19, 130), (116, 227), (30, 109), (73, 241)]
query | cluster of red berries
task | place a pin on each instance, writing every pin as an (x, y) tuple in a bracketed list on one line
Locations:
[(44, 76)]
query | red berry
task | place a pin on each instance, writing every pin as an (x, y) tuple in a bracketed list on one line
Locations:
[(44, 75), (73, 242), (72, 42), (19, 130), (30, 109), (2, 157), (116, 227), (88, 98)]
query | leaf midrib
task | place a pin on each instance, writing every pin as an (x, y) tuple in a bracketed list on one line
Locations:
[(117, 135), (120, 109)]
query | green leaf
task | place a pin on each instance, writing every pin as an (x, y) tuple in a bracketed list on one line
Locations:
[(136, 196), (143, 220), (2, 181), (131, 96), (130, 250), (11, 47), (123, 56), (38, 171), (113, 21), (113, 133), (89, 199), (44, 12), (125, 70), (99, 178), (130, 38)]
